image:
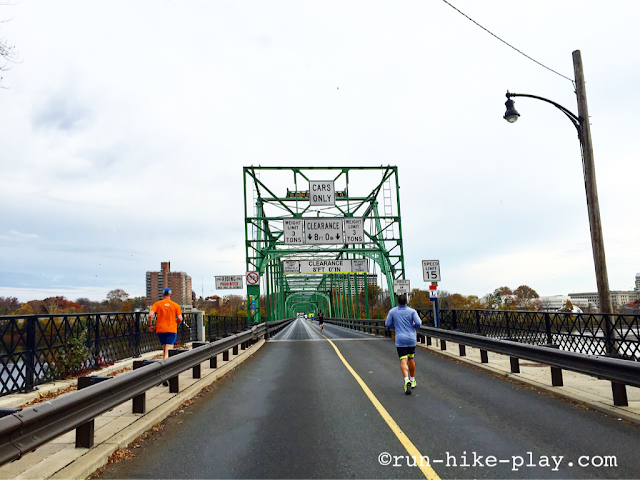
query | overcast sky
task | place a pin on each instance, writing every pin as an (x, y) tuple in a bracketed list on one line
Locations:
[(126, 124)]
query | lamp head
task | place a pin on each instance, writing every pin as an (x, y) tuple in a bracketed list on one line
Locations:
[(511, 115)]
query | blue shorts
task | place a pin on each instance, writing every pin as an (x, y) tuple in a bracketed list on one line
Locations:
[(167, 338)]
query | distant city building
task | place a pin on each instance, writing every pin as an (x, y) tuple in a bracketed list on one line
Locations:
[(372, 279), (556, 302), (178, 282), (618, 298), (637, 289)]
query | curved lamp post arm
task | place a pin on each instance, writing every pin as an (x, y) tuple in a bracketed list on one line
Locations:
[(577, 121)]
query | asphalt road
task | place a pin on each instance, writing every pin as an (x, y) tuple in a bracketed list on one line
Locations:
[(294, 410)]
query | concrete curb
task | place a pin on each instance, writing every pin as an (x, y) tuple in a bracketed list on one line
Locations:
[(81, 465), (611, 410)]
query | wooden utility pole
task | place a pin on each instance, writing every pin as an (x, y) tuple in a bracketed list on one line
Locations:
[(597, 242)]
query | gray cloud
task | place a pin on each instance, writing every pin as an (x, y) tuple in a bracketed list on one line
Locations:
[(62, 110)]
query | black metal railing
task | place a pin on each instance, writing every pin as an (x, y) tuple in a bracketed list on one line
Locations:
[(217, 326), (25, 430), (592, 334), (35, 349)]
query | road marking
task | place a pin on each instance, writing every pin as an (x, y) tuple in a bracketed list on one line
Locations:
[(334, 339), (395, 428)]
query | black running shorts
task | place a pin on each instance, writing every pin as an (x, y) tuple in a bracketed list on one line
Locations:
[(404, 352)]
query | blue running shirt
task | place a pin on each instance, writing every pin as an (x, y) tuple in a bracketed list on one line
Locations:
[(405, 320)]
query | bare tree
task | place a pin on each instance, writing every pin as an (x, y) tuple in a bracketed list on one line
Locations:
[(8, 53)]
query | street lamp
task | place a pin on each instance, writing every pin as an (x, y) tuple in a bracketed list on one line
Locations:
[(581, 122)]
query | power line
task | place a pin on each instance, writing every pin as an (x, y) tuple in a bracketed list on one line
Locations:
[(506, 43)]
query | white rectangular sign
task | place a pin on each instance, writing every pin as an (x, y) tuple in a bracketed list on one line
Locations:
[(323, 231), (433, 294), (401, 287), (353, 230), (431, 270), (325, 266), (290, 266), (229, 282), (293, 231), (322, 193), (359, 265)]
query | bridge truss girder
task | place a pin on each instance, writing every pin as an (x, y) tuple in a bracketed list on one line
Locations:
[(371, 193)]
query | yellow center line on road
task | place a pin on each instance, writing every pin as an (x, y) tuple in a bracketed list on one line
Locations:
[(408, 445)]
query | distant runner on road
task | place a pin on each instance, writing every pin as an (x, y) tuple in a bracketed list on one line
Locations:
[(405, 320), (321, 320)]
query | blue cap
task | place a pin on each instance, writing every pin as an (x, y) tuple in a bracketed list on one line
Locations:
[(167, 291)]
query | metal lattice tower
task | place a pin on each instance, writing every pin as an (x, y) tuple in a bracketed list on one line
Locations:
[(274, 195)]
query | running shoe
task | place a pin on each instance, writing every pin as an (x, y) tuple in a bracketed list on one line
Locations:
[(413, 384), (407, 387)]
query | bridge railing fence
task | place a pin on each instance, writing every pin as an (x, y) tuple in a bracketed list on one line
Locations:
[(592, 334), (218, 326), (36, 349), (24, 430)]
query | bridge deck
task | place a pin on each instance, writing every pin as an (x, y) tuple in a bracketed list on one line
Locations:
[(296, 411)]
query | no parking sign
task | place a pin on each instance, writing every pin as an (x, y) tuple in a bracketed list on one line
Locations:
[(253, 278)]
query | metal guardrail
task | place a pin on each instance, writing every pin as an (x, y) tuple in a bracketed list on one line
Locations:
[(217, 326), (613, 369), (23, 431), (590, 333), (32, 346), (619, 371)]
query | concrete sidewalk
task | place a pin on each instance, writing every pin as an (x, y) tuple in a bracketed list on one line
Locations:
[(114, 429), (584, 389)]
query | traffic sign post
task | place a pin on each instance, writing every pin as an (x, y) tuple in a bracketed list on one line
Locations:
[(292, 229), (226, 282), (253, 278), (322, 193), (353, 230), (433, 295), (253, 296), (431, 270), (323, 231), (401, 287)]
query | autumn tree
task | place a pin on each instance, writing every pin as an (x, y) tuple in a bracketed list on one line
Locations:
[(139, 303), (503, 291), (525, 297), (420, 299), (9, 305), (116, 300), (54, 305)]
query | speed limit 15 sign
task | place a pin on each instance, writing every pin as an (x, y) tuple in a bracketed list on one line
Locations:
[(431, 270)]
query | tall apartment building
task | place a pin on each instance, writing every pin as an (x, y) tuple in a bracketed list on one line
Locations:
[(637, 289), (178, 282), (372, 279)]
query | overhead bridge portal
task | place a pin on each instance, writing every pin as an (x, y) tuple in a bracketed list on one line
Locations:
[(321, 238)]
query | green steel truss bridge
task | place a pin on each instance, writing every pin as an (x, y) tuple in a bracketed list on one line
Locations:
[(279, 196)]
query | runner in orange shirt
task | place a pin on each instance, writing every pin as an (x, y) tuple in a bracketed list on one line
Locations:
[(168, 315)]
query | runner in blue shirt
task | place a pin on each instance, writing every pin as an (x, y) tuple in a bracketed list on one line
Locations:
[(405, 320)]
